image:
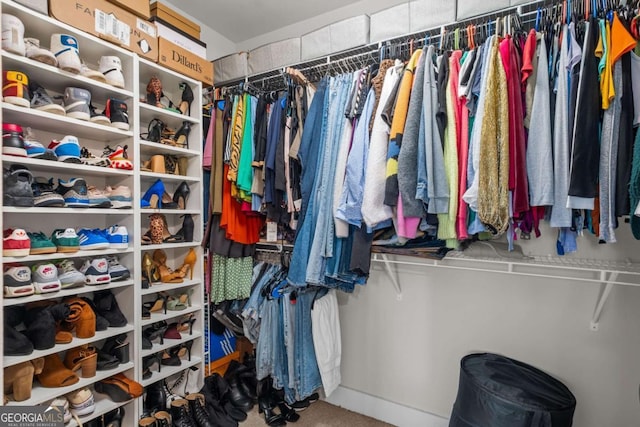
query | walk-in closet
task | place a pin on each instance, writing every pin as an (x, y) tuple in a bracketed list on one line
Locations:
[(341, 213)]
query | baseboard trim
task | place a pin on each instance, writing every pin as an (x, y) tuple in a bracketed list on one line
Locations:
[(384, 410)]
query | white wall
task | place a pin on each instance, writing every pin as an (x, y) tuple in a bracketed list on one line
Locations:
[(303, 27), (409, 351), (217, 44)]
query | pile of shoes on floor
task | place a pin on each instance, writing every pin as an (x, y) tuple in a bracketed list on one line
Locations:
[(223, 401)]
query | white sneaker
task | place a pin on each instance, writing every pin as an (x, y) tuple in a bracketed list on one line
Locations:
[(65, 48), (13, 34), (81, 402), (45, 278), (35, 52), (111, 67), (96, 271), (69, 276)]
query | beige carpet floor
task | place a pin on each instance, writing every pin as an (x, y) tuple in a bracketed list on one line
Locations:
[(320, 414)]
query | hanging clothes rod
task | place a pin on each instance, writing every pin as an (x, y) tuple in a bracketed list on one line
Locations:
[(525, 14)]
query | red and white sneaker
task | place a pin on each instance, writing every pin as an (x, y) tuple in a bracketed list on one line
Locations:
[(15, 243), (118, 157)]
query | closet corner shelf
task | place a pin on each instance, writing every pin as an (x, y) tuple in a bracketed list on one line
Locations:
[(171, 211), (149, 148), (149, 176), (65, 211), (168, 343), (168, 371), (57, 255), (65, 293), (159, 317), (149, 112), (76, 342), (170, 246), (168, 287), (57, 80), (62, 167), (606, 273), (41, 394), (60, 124)]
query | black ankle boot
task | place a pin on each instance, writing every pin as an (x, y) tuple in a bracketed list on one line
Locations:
[(107, 307), (41, 328), (187, 228), (221, 411), (155, 399), (267, 405), (198, 411), (15, 343), (180, 414)]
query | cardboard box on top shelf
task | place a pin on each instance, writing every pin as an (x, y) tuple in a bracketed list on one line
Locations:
[(109, 22), (184, 62), (182, 39), (137, 7), (164, 12), (37, 5)]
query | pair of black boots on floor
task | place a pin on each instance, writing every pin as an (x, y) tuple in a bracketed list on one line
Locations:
[(271, 403)]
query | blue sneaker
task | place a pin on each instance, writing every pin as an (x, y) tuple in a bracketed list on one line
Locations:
[(74, 192), (91, 240), (118, 237), (35, 150), (67, 149)]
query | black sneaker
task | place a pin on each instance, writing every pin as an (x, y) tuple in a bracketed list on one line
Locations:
[(40, 100), (13, 140), (17, 186), (44, 194), (116, 111), (99, 118)]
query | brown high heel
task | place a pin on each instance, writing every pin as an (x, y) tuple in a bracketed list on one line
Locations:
[(19, 378), (166, 274), (84, 358), (55, 374), (188, 264), (154, 164), (82, 318)]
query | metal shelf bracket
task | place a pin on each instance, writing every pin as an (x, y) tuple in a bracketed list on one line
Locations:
[(605, 291), (393, 275)]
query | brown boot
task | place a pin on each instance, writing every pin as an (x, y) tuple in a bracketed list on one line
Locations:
[(19, 378)]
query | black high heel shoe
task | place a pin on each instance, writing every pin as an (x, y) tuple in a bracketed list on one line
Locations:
[(155, 331), (170, 358), (117, 347), (186, 100), (182, 195), (154, 131), (148, 362), (186, 232), (187, 323), (181, 137)]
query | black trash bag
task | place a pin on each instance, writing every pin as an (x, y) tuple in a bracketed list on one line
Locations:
[(496, 391)]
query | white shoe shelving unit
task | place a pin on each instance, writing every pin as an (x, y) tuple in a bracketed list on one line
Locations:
[(129, 293)]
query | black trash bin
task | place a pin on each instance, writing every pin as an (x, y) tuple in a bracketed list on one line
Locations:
[(496, 391)]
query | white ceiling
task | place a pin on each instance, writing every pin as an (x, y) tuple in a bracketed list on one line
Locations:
[(241, 20)]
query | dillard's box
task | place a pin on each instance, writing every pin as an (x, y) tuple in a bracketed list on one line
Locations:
[(184, 62)]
